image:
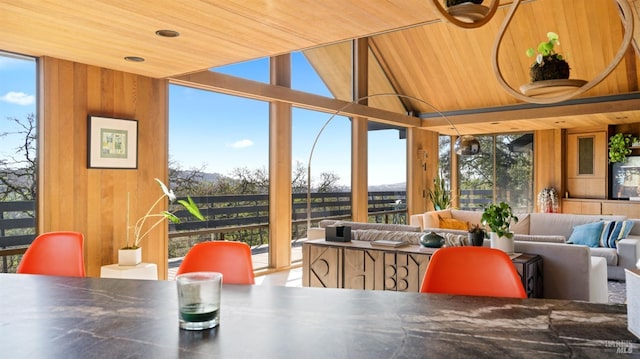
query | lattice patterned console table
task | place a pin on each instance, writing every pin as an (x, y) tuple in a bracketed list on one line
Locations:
[(359, 265)]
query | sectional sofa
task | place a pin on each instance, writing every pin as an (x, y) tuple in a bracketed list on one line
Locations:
[(570, 272), (558, 228)]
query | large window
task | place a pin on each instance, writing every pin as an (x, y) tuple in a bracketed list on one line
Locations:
[(387, 164), (502, 171), (18, 126), (219, 155)]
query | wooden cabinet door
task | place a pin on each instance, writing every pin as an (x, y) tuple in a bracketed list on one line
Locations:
[(407, 272), (322, 266), (363, 269), (587, 164)]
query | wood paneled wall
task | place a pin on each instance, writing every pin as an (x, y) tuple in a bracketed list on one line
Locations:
[(422, 167), (549, 161), (93, 201)]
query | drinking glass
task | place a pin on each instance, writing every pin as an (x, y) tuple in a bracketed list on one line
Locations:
[(199, 300)]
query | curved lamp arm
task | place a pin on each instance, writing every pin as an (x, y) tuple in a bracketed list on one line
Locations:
[(338, 112)]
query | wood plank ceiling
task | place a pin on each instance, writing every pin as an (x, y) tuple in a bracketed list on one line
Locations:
[(412, 51)]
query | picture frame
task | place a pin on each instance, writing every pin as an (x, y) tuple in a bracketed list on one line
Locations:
[(112, 143)]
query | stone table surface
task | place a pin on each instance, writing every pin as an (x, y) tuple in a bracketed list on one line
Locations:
[(60, 317)]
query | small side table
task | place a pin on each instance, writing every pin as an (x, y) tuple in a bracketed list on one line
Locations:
[(529, 267), (140, 271)]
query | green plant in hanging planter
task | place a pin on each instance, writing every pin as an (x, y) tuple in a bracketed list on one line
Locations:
[(549, 65), (620, 146)]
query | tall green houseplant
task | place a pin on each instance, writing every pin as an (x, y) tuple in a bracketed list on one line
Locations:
[(440, 195)]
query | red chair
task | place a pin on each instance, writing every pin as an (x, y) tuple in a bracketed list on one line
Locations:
[(469, 270), (232, 259), (55, 253)]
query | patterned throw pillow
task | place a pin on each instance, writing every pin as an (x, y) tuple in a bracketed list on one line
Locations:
[(587, 234), (455, 240), (607, 229), (623, 232), (613, 231)]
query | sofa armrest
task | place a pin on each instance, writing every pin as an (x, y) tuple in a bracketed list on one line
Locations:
[(628, 252), (598, 287), (416, 220)]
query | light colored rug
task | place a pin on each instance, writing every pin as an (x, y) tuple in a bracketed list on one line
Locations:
[(617, 292)]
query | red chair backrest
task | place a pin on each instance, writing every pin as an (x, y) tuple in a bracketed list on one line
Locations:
[(232, 259), (469, 270), (55, 253)]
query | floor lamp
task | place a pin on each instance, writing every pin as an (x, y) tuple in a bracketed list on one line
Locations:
[(465, 145)]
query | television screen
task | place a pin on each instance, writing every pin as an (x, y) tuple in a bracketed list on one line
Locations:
[(625, 179)]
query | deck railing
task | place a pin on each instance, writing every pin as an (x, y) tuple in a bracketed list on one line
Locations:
[(232, 217)]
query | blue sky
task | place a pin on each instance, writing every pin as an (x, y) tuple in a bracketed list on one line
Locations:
[(17, 98), (221, 132)]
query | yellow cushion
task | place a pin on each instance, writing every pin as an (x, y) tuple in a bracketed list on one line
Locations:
[(451, 223)]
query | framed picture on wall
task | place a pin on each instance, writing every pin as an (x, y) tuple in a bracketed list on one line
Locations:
[(112, 143)]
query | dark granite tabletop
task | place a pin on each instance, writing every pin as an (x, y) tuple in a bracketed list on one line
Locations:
[(57, 317)]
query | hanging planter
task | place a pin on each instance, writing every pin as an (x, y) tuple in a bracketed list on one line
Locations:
[(550, 72), (566, 88), (467, 14)]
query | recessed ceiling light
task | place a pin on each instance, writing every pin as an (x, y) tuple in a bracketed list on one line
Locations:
[(134, 58), (167, 33)]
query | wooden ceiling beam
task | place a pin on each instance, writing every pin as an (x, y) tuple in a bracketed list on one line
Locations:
[(585, 106), (231, 85)]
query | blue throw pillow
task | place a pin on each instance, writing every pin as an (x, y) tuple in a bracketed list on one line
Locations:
[(587, 234)]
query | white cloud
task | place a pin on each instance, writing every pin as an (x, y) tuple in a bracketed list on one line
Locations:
[(18, 98), (242, 144)]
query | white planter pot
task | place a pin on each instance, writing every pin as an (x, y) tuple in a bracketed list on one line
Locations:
[(129, 257), (502, 243)]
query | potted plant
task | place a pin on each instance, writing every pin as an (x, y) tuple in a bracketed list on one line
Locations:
[(498, 218), (477, 234), (439, 195), (131, 253), (549, 65), (620, 146)]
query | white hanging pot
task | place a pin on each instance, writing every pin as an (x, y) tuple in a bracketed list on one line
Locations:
[(129, 257), (502, 243)]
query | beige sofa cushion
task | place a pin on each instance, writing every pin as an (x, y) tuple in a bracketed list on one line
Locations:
[(561, 223), (534, 238), (522, 227), (472, 217), (432, 219)]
